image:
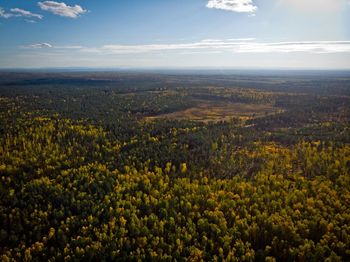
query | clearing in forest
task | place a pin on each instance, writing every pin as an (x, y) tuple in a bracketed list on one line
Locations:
[(219, 111)]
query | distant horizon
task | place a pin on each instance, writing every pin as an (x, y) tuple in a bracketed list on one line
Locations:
[(243, 34), (161, 69)]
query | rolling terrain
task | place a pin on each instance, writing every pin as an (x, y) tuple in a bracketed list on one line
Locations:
[(102, 166)]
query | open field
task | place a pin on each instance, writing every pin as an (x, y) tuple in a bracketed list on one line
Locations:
[(206, 111)]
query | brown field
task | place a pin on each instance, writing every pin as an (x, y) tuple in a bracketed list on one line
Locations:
[(218, 111)]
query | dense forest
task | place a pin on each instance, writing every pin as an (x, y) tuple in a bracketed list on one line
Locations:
[(174, 167)]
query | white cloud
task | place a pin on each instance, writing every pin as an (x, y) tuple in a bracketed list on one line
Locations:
[(240, 6), (3, 13), (25, 13), (30, 21), (18, 12), (62, 9), (39, 46), (316, 47), (47, 45), (244, 46)]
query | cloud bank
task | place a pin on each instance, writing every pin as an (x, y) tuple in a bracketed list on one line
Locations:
[(239, 6), (244, 45), (62, 9), (236, 46)]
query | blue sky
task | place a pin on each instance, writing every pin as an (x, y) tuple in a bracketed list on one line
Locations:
[(255, 34)]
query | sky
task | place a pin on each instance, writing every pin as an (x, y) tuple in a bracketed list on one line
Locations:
[(218, 34)]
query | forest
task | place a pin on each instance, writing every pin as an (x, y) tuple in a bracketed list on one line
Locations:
[(140, 166)]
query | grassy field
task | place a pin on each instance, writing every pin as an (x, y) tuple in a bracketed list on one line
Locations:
[(205, 111)]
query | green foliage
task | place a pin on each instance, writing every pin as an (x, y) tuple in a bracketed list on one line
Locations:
[(76, 186)]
